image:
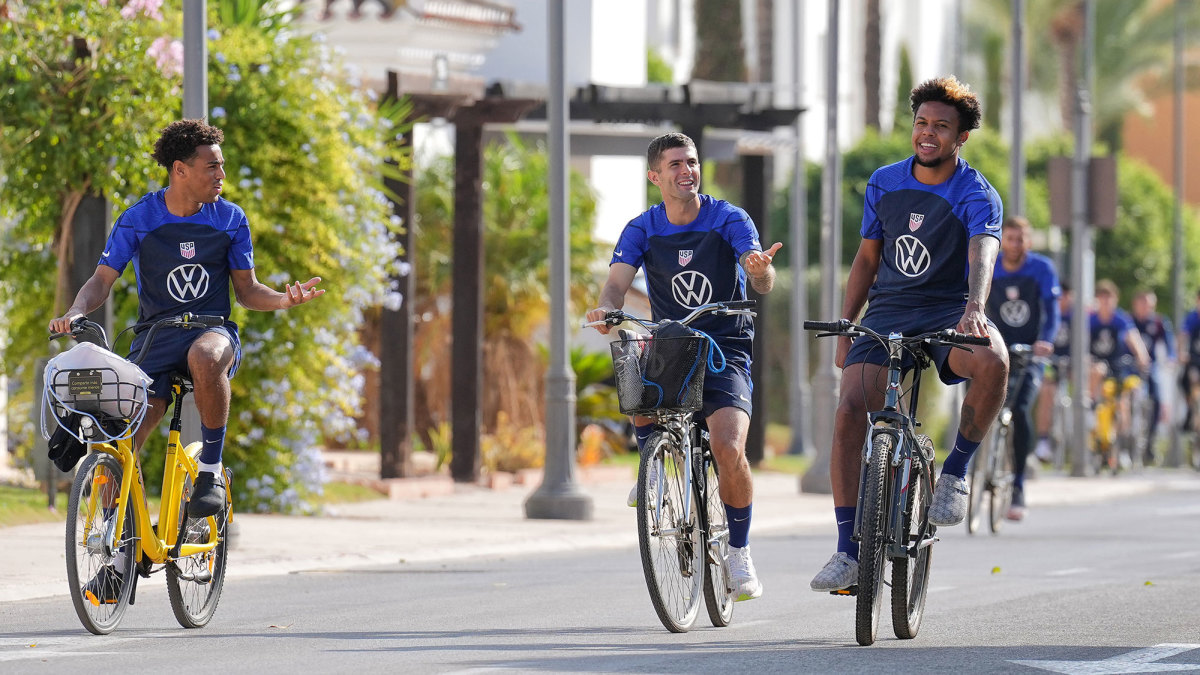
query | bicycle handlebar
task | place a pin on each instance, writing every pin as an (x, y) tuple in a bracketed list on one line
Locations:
[(617, 317), (847, 328), (186, 321)]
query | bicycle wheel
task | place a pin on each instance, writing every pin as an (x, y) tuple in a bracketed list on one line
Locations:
[(872, 554), (718, 586), (100, 569), (977, 474), (1001, 482), (910, 575), (194, 583), (669, 534)]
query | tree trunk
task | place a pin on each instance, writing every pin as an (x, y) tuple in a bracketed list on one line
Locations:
[(871, 66), (720, 55)]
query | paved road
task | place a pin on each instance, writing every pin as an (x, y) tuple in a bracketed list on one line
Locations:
[(1109, 587)]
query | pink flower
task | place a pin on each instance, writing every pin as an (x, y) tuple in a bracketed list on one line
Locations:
[(148, 8), (167, 55)]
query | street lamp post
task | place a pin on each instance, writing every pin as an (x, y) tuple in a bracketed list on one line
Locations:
[(195, 60)]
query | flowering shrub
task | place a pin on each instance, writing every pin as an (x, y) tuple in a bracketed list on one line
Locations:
[(304, 151)]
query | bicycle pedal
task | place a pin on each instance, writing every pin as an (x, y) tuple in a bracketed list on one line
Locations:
[(852, 591)]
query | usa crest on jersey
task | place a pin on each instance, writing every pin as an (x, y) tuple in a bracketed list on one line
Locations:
[(915, 220), (187, 249), (685, 257)]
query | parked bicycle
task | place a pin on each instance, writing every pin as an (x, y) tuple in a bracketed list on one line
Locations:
[(891, 523), (1112, 423), (683, 535), (100, 399), (991, 472)]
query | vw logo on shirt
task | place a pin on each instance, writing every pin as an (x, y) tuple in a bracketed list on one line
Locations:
[(187, 282), (1015, 313), (691, 289), (912, 258)]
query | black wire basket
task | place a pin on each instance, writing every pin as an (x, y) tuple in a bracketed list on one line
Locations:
[(657, 375)]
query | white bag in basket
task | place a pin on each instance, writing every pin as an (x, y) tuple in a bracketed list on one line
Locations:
[(122, 395)]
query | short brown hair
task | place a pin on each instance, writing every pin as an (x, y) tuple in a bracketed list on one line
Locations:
[(1016, 222), (1107, 287), (665, 142), (180, 139), (950, 91)]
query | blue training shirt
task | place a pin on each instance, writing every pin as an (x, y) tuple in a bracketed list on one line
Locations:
[(1155, 330), (925, 230), (1191, 329), (1108, 337), (1024, 303), (694, 264), (182, 264)]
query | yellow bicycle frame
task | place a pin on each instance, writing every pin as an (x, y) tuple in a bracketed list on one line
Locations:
[(176, 467)]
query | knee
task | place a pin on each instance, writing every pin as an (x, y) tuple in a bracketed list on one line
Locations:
[(209, 359)]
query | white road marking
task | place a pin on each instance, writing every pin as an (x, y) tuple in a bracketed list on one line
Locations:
[(1137, 661), (1068, 572)]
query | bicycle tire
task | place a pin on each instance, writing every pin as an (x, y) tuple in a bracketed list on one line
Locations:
[(978, 484), (718, 585), (1000, 484), (672, 562), (872, 554), (194, 583), (910, 575), (88, 553)]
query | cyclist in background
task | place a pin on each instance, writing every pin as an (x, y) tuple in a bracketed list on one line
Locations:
[(1189, 360), (1024, 306), (694, 250), (1116, 348), (1056, 374), (930, 235), (1155, 330), (187, 245)]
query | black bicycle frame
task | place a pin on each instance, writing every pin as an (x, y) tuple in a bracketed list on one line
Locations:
[(901, 427)]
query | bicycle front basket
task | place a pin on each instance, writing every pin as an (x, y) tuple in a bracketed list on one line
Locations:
[(97, 384), (661, 374)]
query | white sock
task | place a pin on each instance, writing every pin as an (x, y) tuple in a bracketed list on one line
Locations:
[(211, 468)]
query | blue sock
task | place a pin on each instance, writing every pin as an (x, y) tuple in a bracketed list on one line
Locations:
[(844, 515), (214, 442), (956, 461), (739, 525), (642, 434)]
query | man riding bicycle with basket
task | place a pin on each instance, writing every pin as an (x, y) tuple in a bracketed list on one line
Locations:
[(187, 245), (930, 233), (696, 249), (1024, 306)]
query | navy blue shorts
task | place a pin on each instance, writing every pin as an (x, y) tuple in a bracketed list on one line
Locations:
[(730, 388), (908, 321), (168, 354)]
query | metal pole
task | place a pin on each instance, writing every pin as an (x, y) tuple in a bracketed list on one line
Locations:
[(195, 60), (1081, 272), (816, 479), (1175, 451), (1016, 192), (800, 392), (958, 39), (558, 496)]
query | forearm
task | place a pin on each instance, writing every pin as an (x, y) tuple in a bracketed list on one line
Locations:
[(90, 297), (858, 285), (981, 258), (261, 298), (763, 283), (612, 296)]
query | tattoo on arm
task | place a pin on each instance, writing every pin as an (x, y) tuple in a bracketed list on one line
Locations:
[(981, 258)]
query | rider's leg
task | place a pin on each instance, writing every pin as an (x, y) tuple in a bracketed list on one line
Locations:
[(727, 429), (987, 368), (1045, 416), (1154, 395), (154, 415), (1023, 431), (863, 386), (209, 360)]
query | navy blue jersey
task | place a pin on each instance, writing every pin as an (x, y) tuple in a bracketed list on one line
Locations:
[(1024, 304), (925, 230), (1156, 330), (1062, 337), (1191, 329), (1108, 338), (182, 264), (694, 264)]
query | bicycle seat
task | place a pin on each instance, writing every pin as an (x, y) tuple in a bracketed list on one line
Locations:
[(183, 381)]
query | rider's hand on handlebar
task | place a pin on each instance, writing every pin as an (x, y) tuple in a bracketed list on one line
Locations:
[(63, 323), (1043, 348), (973, 322), (598, 314)]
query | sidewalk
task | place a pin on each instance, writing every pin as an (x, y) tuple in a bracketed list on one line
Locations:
[(471, 521)]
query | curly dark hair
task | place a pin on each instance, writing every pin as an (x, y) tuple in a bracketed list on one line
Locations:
[(665, 142), (179, 141), (950, 91)]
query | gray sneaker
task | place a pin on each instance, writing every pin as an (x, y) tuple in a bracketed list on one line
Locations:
[(840, 573), (950, 497)]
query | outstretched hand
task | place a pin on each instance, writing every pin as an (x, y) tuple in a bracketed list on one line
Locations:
[(757, 262), (300, 293)]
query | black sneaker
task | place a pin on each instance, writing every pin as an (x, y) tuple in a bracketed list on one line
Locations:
[(105, 587), (208, 496)]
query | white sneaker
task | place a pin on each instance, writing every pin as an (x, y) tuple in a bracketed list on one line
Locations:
[(746, 585), (840, 573), (1043, 452), (651, 485)]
